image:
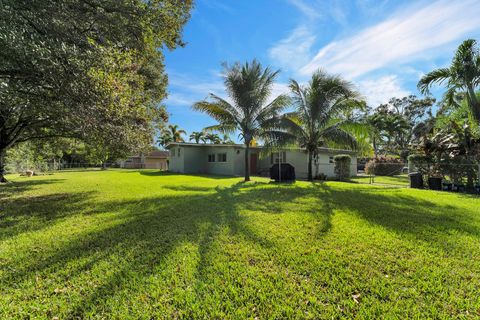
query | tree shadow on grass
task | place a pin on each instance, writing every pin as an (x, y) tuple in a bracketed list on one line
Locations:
[(17, 187), (391, 208), (33, 213), (141, 235), (137, 244)]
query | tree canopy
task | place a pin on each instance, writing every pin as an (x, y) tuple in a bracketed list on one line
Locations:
[(90, 69)]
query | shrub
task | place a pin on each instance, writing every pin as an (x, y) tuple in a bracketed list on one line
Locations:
[(384, 166), (342, 166)]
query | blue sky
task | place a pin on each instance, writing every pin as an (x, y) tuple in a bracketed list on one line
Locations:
[(383, 47)]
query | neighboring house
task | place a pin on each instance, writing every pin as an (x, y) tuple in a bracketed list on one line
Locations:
[(229, 159), (152, 160)]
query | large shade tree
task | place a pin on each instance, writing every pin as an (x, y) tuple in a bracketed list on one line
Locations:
[(89, 69), (318, 120), (462, 78), (249, 109)]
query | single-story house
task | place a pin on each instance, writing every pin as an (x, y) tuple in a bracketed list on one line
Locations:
[(229, 159), (152, 160)]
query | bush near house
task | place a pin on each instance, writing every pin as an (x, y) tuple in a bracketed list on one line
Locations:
[(342, 166), (384, 166)]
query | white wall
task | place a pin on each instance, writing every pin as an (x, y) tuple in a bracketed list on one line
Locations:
[(194, 159), (220, 168), (176, 163)]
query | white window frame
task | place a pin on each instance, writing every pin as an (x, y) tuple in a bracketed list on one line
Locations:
[(211, 157)]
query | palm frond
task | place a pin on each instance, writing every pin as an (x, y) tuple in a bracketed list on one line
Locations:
[(216, 111), (434, 77)]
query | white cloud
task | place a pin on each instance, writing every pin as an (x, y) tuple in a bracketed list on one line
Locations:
[(399, 39), (307, 9), (380, 90), (293, 51)]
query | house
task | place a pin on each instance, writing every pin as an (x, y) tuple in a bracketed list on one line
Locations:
[(152, 160), (229, 159)]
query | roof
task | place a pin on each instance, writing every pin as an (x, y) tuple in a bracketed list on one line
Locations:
[(242, 146), (154, 154), (158, 153)]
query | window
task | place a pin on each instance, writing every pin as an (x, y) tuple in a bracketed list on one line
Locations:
[(330, 159), (211, 157), (222, 157), (277, 157), (178, 153)]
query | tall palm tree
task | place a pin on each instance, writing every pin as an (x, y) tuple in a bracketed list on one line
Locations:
[(249, 87), (462, 78), (176, 133), (318, 117), (226, 139), (213, 138), (197, 136)]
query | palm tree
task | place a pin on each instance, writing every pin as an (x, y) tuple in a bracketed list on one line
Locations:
[(462, 77), (165, 139), (213, 138), (318, 119), (170, 134), (226, 139), (198, 136), (176, 133), (249, 87)]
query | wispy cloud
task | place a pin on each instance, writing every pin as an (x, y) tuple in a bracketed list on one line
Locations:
[(306, 8), (380, 90), (293, 52), (402, 38)]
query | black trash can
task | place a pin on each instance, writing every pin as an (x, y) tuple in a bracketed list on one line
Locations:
[(447, 186), (458, 187), (477, 188), (435, 183), (416, 180), (286, 173)]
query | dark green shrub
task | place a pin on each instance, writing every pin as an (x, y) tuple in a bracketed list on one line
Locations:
[(342, 166), (384, 166)]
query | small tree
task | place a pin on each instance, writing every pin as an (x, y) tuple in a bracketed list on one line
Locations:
[(342, 166)]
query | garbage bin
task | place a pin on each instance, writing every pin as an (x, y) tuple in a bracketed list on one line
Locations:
[(416, 180), (285, 173), (435, 183)]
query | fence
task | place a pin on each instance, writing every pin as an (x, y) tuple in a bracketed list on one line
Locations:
[(397, 174)]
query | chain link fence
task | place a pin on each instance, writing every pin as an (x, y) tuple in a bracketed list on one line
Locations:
[(445, 176)]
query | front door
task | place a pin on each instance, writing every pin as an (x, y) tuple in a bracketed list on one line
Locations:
[(253, 163)]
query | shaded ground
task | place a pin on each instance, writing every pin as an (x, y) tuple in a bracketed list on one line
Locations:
[(141, 244)]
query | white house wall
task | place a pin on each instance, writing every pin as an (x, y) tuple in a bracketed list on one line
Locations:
[(176, 163), (194, 159)]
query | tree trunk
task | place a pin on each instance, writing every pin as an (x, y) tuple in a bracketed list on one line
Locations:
[(474, 103), (310, 177), (247, 161), (2, 165)]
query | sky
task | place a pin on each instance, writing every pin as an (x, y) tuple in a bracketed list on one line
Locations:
[(382, 46)]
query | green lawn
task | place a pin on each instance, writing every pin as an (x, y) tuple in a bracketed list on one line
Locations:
[(400, 180), (145, 245)]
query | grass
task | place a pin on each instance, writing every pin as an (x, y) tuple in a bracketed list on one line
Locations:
[(400, 180), (144, 245)]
